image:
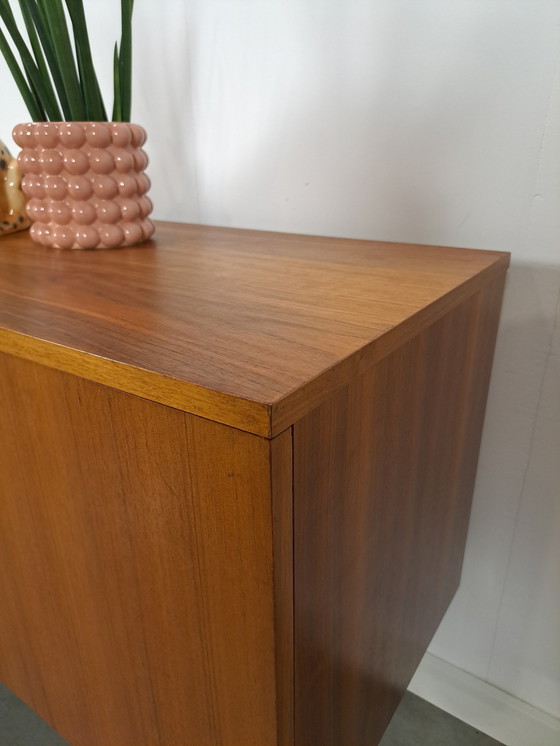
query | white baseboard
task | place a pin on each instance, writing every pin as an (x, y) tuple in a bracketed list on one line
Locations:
[(486, 708)]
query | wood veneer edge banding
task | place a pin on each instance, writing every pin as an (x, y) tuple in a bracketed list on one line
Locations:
[(250, 416)]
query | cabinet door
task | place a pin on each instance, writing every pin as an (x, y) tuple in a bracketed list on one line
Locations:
[(135, 567)]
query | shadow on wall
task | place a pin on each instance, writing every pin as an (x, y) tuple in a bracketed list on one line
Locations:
[(359, 139), (509, 604)]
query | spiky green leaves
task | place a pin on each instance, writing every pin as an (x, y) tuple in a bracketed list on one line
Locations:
[(95, 110), (56, 79)]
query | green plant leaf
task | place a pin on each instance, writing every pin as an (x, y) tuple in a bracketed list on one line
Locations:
[(34, 106), (33, 38), (117, 114), (125, 59), (95, 110)]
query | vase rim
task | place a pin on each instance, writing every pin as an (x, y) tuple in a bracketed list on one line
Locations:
[(76, 121)]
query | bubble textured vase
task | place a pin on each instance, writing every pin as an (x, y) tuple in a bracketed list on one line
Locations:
[(85, 183)]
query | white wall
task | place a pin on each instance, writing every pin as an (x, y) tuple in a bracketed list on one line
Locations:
[(432, 122)]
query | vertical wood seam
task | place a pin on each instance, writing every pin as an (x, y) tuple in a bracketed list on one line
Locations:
[(282, 531)]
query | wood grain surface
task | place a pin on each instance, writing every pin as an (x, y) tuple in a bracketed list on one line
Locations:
[(136, 566), (247, 328), (171, 578), (383, 476)]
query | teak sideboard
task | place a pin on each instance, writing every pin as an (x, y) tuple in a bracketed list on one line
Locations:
[(236, 470)]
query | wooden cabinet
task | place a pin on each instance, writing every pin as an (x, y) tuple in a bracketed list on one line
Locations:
[(236, 470)]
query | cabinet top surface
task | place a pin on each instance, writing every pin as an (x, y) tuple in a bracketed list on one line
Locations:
[(248, 328)]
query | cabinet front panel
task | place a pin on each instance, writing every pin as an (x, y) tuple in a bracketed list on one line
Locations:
[(135, 567)]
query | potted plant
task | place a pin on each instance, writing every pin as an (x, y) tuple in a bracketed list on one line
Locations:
[(83, 174)]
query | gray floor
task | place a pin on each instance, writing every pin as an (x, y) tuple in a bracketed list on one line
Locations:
[(416, 723), (20, 726)]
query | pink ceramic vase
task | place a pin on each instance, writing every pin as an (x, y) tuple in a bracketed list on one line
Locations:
[(85, 183)]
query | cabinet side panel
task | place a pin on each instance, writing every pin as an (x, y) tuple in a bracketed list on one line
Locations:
[(136, 567), (383, 475)]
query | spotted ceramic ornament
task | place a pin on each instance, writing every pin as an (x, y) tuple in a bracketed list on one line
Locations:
[(12, 202)]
